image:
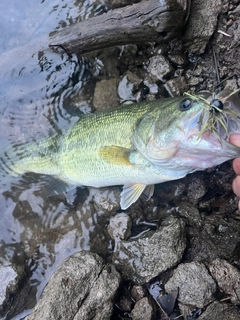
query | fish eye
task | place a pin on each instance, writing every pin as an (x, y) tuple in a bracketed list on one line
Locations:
[(185, 104), (216, 105)]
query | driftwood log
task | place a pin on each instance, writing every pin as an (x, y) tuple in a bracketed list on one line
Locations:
[(148, 20)]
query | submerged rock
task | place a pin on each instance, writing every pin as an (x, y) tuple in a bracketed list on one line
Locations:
[(120, 226), (105, 94), (82, 288), (196, 286), (105, 199), (8, 281), (145, 258)]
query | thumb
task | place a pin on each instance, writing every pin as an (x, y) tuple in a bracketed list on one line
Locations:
[(235, 139)]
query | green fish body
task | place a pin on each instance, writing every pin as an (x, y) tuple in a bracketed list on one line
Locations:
[(135, 146)]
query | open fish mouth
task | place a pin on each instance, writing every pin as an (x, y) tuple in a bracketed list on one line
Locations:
[(220, 115)]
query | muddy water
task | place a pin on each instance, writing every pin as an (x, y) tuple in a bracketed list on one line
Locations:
[(37, 87)]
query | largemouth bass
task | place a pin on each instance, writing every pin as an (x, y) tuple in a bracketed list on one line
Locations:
[(136, 146)]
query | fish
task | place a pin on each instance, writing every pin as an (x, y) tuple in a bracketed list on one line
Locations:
[(136, 145)]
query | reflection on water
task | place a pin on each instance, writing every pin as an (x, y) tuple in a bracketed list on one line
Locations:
[(37, 86)]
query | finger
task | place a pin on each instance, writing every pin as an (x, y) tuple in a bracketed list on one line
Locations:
[(239, 205), (236, 165), (235, 139), (236, 186)]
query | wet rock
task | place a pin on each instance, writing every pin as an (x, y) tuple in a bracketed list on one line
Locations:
[(145, 258), (159, 68), (193, 80), (120, 226), (196, 286), (223, 236), (231, 84), (196, 188), (218, 310), (105, 94), (105, 199), (137, 292), (142, 310), (216, 238), (202, 23), (178, 59), (81, 288), (190, 213), (14, 287), (153, 88), (227, 277), (189, 312), (8, 281), (125, 304), (176, 86), (128, 86)]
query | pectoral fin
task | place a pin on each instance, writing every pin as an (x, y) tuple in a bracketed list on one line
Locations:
[(130, 194), (115, 155)]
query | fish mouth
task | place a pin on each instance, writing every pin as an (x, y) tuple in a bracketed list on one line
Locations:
[(220, 117), (209, 130)]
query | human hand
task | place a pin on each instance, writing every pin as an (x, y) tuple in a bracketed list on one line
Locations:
[(235, 139)]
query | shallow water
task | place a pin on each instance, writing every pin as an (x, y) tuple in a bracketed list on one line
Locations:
[(37, 88)]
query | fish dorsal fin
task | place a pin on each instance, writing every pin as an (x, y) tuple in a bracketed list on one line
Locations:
[(148, 192), (115, 155), (130, 194)]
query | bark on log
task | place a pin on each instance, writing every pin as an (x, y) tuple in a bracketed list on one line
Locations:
[(149, 20)]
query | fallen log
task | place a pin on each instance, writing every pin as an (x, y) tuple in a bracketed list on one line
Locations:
[(149, 20)]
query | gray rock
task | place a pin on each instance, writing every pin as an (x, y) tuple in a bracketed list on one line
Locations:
[(125, 304), (217, 311), (178, 59), (202, 23), (190, 213), (105, 94), (81, 288), (231, 84), (159, 68), (142, 310), (137, 292), (222, 236), (196, 189), (145, 258), (196, 286), (227, 277), (176, 86), (186, 311), (120, 226)]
